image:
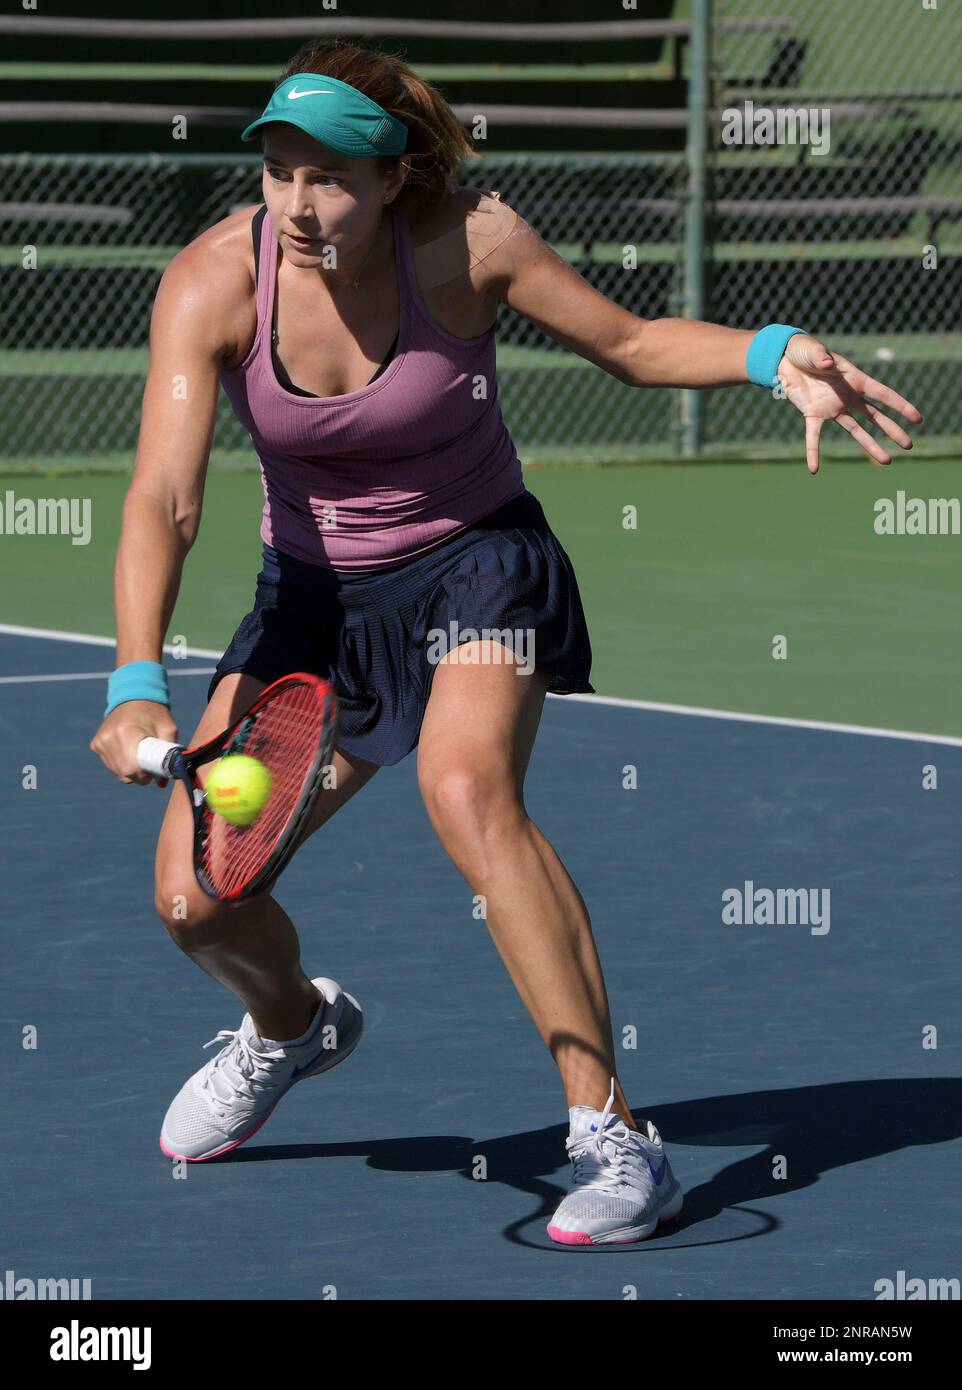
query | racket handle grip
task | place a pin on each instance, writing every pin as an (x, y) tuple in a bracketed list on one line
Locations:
[(153, 755)]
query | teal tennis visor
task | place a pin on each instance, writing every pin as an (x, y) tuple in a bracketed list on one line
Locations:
[(335, 113)]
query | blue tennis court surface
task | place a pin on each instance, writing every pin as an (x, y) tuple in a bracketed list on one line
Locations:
[(815, 1135)]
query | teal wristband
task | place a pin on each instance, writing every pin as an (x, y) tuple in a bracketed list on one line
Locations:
[(765, 351), (137, 680)]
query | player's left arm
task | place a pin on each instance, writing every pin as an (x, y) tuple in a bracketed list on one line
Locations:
[(531, 278)]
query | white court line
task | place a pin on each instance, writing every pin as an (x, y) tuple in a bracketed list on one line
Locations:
[(97, 676), (736, 716), (785, 721), (12, 630)]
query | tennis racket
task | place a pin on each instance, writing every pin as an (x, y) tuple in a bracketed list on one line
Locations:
[(290, 728)]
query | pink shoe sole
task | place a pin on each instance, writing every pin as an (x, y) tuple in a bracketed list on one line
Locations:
[(217, 1152), (341, 1056), (583, 1238)]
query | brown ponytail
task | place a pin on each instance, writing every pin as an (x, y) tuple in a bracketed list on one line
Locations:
[(436, 141)]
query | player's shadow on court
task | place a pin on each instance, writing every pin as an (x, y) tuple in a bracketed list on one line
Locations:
[(814, 1128)]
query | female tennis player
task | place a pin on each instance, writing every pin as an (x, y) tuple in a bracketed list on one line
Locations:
[(350, 320)]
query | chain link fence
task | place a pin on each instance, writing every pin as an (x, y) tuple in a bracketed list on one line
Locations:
[(95, 235), (854, 232)]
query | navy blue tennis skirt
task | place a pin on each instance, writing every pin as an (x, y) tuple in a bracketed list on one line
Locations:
[(374, 637)]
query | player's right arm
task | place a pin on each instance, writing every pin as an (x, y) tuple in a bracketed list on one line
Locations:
[(193, 330)]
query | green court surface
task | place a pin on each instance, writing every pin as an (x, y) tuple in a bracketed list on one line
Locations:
[(684, 609)]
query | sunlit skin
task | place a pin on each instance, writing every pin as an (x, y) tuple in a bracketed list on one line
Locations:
[(482, 717), (475, 743), (536, 916), (824, 385), (336, 201)]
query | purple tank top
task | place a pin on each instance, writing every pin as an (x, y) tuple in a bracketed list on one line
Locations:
[(379, 475)]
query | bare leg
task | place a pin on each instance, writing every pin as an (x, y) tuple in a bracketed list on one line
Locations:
[(250, 947), (476, 740)]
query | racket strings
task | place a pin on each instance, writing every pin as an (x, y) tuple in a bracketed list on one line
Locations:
[(285, 735)]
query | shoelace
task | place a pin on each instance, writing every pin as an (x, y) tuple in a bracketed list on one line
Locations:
[(598, 1167), (247, 1069)]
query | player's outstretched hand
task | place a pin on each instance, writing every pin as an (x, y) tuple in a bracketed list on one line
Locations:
[(824, 385), (117, 739)]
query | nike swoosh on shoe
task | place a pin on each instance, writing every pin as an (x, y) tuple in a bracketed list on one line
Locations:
[(659, 1172)]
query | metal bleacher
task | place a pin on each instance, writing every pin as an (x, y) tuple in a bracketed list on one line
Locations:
[(587, 124)]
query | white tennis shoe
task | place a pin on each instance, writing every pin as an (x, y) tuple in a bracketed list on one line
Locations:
[(224, 1103), (623, 1183)]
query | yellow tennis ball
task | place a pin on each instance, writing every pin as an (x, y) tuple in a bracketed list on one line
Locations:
[(237, 788)]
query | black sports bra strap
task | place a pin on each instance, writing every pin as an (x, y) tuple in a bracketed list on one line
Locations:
[(256, 225)]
